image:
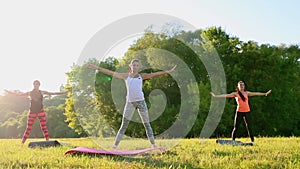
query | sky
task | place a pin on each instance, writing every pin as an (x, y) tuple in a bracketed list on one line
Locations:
[(43, 39)]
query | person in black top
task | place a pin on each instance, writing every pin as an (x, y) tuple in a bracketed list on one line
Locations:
[(36, 108)]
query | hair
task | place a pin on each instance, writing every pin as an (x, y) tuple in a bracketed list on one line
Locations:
[(132, 61), (37, 81), (239, 92)]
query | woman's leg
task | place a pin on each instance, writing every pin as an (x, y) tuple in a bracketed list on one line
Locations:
[(43, 123), (30, 121), (127, 115), (143, 112), (247, 119), (237, 121)]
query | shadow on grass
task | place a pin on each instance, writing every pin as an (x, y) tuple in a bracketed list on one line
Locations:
[(148, 159)]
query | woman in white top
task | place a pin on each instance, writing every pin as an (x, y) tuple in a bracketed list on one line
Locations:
[(135, 97)]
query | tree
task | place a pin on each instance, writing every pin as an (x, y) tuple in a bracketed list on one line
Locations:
[(83, 111)]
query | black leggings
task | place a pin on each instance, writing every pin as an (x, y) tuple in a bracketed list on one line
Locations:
[(237, 121)]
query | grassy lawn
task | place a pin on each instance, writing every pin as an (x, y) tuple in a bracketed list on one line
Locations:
[(279, 152)]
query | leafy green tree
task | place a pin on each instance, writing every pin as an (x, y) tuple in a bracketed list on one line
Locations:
[(83, 110), (56, 124)]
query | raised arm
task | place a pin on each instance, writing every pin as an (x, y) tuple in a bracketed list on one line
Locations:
[(17, 93), (231, 95), (151, 75), (259, 93), (108, 72)]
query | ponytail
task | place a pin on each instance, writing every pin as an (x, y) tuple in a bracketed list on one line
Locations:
[(240, 93)]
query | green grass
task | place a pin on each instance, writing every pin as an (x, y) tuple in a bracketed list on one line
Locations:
[(267, 153)]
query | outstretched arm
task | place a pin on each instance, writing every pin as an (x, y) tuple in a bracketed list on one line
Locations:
[(231, 95), (259, 93), (54, 93), (17, 93), (108, 72), (151, 75)]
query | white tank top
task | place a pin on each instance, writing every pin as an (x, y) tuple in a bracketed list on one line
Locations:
[(134, 89)]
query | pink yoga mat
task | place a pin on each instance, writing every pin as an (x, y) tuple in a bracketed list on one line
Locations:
[(113, 152)]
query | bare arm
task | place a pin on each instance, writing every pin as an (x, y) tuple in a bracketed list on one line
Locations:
[(17, 93), (151, 75), (109, 72), (231, 95), (259, 93), (54, 93)]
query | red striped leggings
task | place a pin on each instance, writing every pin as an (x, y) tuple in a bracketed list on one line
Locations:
[(30, 121)]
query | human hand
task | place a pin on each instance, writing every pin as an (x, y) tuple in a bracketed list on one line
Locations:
[(91, 66), (268, 92), (171, 70), (65, 92)]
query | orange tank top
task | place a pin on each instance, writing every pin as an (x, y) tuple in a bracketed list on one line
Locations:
[(242, 106)]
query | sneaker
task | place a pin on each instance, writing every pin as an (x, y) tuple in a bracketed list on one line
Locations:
[(114, 146)]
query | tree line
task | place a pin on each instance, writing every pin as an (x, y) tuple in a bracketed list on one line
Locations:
[(95, 101)]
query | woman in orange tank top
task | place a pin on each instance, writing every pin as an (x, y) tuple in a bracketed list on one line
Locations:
[(243, 108)]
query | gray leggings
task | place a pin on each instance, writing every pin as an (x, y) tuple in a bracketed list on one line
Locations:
[(127, 115)]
